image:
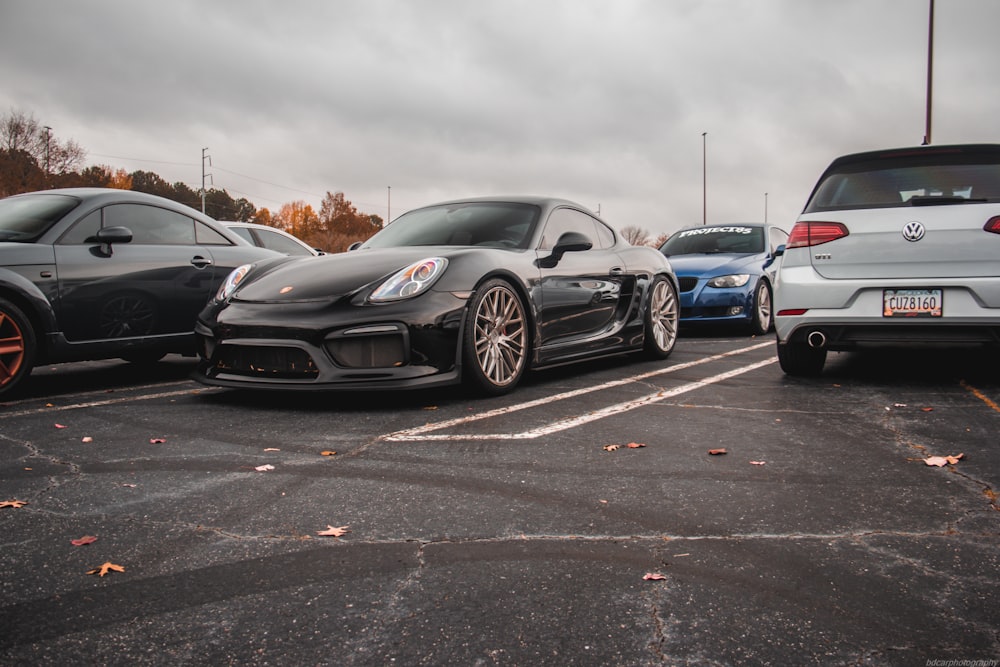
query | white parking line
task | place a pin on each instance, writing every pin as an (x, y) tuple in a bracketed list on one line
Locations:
[(109, 401), (421, 432)]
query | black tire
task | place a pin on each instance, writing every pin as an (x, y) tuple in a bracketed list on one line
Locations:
[(762, 315), (800, 360), (662, 319), (17, 347), (495, 341)]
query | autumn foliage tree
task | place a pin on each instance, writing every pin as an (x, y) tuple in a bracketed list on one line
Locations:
[(32, 158)]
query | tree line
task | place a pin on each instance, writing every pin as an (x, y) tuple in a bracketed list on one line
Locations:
[(31, 159)]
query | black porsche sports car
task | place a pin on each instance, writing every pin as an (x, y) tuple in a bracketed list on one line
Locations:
[(476, 290)]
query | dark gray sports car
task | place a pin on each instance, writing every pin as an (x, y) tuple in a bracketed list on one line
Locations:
[(476, 290)]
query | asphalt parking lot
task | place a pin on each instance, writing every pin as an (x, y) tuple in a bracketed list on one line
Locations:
[(510, 531)]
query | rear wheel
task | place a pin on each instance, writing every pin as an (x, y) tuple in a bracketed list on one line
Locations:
[(801, 360), (761, 319), (17, 347), (495, 345), (662, 318)]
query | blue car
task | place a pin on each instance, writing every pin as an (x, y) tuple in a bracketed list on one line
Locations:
[(726, 273)]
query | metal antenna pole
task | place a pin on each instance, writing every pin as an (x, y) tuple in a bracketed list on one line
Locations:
[(930, 72)]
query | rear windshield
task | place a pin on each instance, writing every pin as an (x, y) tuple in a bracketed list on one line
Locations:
[(26, 218), (909, 179), (496, 224), (728, 238)]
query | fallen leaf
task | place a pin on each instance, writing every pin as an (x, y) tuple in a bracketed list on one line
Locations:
[(157, 441), (13, 503), (264, 468), (430, 407), (328, 452), (271, 449), (758, 463), (927, 409), (717, 452), (59, 426), (83, 541), (107, 567), (332, 531), (941, 461), (653, 576), (86, 438), (131, 486), (635, 445), (611, 448)]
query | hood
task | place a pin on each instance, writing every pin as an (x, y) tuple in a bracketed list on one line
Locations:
[(329, 277), (717, 264)]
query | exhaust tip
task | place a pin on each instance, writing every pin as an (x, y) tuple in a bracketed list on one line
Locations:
[(816, 339)]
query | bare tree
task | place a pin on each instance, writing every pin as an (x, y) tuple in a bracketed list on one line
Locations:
[(20, 131), (635, 235)]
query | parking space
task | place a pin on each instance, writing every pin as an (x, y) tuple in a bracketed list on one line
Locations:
[(509, 530)]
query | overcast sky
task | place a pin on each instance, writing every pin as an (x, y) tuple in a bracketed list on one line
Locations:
[(602, 102)]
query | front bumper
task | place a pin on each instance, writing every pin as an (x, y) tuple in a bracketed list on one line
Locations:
[(338, 346)]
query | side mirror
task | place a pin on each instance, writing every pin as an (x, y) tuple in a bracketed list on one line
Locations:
[(568, 242), (355, 245), (109, 235), (780, 250)]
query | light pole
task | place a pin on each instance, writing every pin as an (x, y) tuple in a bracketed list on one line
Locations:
[(930, 72), (388, 207), (765, 208), (704, 180)]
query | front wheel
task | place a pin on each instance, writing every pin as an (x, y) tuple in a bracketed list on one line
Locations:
[(495, 342), (761, 319), (801, 360), (662, 319), (17, 347)]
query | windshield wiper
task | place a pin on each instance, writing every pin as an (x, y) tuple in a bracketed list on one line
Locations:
[(932, 200)]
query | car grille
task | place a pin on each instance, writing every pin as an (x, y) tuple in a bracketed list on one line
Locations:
[(687, 283), (385, 351), (265, 361)]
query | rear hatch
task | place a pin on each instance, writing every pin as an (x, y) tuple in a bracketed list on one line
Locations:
[(928, 212)]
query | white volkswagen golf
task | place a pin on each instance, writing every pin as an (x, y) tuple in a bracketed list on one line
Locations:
[(894, 247)]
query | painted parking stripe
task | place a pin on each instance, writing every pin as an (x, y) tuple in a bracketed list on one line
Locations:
[(426, 432)]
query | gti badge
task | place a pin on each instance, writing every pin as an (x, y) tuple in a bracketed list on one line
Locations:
[(913, 231)]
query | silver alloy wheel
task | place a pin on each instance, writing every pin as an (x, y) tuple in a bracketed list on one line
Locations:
[(763, 306), (500, 336), (663, 315)]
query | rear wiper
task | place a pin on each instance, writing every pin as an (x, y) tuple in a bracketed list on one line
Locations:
[(932, 200)]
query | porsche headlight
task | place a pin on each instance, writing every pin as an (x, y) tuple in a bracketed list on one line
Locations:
[(415, 279), (231, 282), (734, 280)]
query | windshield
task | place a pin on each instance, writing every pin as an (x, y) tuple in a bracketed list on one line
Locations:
[(728, 238), (911, 179), (26, 218), (496, 224)]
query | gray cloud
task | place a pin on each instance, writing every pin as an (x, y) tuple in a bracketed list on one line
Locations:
[(602, 102)]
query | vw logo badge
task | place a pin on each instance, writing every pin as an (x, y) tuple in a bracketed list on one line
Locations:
[(913, 231)]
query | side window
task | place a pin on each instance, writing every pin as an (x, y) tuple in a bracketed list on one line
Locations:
[(205, 235), (245, 233), (274, 241), (605, 237), (83, 231), (564, 220), (150, 224)]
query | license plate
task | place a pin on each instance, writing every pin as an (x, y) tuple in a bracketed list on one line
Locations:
[(912, 302)]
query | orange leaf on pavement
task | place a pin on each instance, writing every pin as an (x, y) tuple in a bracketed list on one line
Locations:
[(332, 531), (107, 567), (86, 539)]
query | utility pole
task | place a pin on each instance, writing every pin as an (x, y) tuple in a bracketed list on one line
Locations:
[(765, 208), (388, 207), (203, 157), (930, 72)]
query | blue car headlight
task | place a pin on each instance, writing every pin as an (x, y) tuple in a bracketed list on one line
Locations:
[(232, 281), (415, 279), (734, 280)]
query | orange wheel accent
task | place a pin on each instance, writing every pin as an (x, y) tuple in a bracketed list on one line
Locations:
[(11, 349)]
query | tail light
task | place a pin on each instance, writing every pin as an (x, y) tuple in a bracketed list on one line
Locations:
[(993, 225), (805, 234)]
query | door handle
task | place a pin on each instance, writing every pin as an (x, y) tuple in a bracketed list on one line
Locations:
[(200, 262), (617, 271)]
